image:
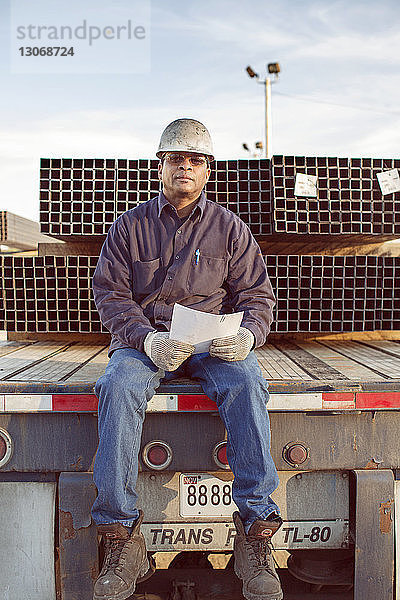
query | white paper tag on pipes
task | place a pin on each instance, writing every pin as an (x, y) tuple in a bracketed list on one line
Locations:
[(306, 185), (389, 181)]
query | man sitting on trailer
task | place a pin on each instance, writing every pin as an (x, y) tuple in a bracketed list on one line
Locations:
[(181, 247)]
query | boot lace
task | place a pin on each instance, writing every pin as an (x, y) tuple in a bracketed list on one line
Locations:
[(113, 548), (261, 550)]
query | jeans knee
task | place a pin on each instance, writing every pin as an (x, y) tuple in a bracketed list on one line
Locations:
[(111, 381), (121, 380), (121, 373), (241, 378), (242, 391)]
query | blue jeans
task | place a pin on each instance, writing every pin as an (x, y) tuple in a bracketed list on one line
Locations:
[(240, 393)]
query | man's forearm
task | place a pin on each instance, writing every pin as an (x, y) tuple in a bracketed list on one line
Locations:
[(258, 318), (113, 294), (122, 317)]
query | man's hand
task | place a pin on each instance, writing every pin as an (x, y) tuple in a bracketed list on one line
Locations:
[(235, 347), (165, 353)]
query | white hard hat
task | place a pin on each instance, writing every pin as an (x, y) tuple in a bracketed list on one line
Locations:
[(186, 135)]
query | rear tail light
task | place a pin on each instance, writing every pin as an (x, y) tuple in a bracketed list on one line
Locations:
[(157, 455), (219, 455), (295, 453), (6, 447)]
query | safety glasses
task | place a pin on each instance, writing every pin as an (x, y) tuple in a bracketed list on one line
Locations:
[(178, 159)]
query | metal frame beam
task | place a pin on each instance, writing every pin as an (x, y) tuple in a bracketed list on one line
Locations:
[(372, 529)]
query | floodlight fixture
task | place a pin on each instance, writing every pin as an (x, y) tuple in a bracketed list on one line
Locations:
[(274, 68), (251, 73), (253, 152)]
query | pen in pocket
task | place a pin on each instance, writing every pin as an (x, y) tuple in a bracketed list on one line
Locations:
[(196, 257)]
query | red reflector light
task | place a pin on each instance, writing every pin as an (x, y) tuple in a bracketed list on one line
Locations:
[(219, 455), (157, 455)]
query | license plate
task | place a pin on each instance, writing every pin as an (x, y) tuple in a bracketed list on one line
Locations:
[(203, 495)]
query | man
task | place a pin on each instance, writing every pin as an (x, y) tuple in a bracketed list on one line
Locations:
[(180, 247)]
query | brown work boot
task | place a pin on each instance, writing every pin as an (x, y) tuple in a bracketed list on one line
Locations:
[(125, 561), (254, 564)]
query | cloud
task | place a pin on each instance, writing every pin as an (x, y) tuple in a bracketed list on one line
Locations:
[(235, 25), (98, 134), (384, 139), (359, 30), (373, 48), (306, 128)]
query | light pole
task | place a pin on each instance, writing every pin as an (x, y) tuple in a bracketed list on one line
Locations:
[(257, 152), (273, 69)]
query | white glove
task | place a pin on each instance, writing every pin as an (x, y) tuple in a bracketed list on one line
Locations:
[(235, 347), (165, 353)]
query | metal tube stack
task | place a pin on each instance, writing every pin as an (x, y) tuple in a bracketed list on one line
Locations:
[(316, 293), (81, 197), (19, 233), (349, 199)]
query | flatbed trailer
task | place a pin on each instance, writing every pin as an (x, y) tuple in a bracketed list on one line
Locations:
[(334, 399), (335, 422)]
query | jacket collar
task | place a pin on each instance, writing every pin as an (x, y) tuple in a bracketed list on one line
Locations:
[(201, 203)]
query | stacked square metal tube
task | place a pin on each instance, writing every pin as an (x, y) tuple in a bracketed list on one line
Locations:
[(244, 187), (349, 200), (3, 226), (77, 197), (49, 294), (335, 293), (314, 293), (80, 198), (19, 233)]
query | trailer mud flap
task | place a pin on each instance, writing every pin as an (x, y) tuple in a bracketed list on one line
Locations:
[(372, 508), (78, 549), (397, 536), (27, 540)]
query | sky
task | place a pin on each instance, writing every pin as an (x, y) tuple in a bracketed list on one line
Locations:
[(338, 92)]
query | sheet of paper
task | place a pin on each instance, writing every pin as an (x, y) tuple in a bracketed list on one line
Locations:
[(389, 181), (305, 185), (200, 328)]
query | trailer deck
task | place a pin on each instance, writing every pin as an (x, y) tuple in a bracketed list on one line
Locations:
[(290, 366)]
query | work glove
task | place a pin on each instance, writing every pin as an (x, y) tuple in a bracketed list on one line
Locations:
[(165, 353), (235, 347)]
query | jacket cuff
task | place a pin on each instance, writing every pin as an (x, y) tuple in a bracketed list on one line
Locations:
[(147, 342), (259, 337), (137, 340)]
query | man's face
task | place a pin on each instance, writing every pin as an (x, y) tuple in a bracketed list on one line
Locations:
[(183, 174)]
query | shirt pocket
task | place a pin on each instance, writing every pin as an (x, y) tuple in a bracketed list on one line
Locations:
[(207, 275), (146, 276)]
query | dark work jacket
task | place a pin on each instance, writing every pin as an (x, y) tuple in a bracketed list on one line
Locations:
[(152, 259)]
